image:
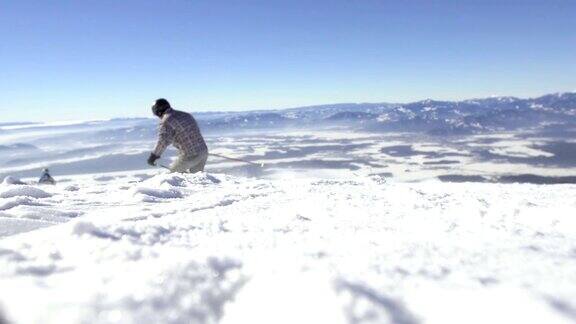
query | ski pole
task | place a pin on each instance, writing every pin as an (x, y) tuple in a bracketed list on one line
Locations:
[(238, 160)]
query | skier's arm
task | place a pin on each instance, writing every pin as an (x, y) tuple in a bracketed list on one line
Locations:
[(165, 137)]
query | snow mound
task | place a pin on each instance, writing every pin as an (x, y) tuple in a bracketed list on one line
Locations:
[(151, 195), (72, 188), (175, 181), (18, 201), (173, 186), (184, 180), (88, 228), (24, 191), (149, 235), (104, 178), (46, 213), (10, 180), (10, 226)]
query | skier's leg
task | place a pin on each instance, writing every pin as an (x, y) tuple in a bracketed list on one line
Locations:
[(191, 164), (199, 162), (181, 165)]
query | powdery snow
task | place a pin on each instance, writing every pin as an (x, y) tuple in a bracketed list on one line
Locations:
[(9, 180), (207, 248), (24, 191)]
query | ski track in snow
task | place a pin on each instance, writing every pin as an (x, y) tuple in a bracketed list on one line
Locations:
[(207, 248)]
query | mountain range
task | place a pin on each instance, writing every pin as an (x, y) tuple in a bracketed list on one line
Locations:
[(429, 116)]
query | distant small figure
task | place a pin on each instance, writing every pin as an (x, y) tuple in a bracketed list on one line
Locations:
[(46, 178)]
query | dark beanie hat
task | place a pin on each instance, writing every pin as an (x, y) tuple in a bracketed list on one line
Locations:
[(160, 107)]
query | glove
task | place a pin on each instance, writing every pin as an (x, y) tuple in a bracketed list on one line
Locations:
[(152, 159)]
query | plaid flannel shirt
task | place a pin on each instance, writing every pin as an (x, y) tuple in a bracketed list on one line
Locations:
[(180, 129)]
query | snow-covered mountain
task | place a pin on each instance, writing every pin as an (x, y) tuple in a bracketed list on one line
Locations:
[(429, 116)]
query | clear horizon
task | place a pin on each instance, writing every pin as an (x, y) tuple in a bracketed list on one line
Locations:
[(86, 60)]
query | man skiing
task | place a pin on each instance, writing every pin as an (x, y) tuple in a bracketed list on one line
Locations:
[(180, 129)]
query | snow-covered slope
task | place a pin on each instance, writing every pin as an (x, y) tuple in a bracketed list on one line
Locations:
[(206, 248)]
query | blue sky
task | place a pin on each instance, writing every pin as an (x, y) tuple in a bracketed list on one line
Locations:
[(86, 59)]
